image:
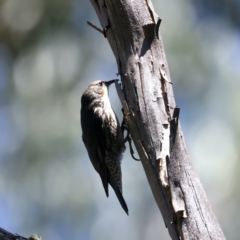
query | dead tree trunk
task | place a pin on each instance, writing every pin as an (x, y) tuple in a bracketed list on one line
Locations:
[(132, 29)]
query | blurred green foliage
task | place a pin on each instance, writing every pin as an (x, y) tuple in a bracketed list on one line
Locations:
[(48, 55)]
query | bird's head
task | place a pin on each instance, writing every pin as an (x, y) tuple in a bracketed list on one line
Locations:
[(99, 88)]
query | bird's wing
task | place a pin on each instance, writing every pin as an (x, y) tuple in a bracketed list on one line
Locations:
[(94, 141), (102, 154), (97, 140)]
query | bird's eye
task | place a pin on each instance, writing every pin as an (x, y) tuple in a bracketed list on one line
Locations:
[(101, 83)]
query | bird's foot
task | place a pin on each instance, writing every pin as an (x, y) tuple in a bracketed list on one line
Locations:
[(128, 139)]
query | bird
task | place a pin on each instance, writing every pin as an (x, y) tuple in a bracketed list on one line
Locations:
[(102, 136)]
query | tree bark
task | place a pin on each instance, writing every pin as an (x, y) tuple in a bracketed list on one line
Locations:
[(132, 30)]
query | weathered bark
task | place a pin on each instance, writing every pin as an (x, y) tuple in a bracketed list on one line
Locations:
[(131, 28)]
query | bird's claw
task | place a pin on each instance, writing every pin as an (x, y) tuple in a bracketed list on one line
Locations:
[(127, 138)]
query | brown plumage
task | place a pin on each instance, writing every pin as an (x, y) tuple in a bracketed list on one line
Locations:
[(102, 136)]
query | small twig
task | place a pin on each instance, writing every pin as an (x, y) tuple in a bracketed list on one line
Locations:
[(96, 28)]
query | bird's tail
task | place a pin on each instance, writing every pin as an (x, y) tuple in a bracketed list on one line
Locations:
[(118, 193)]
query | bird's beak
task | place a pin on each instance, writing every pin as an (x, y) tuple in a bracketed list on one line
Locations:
[(108, 83)]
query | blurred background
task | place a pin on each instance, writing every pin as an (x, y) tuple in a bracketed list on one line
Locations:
[(48, 55)]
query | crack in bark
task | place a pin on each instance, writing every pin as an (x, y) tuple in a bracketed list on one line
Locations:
[(150, 11), (165, 96), (128, 27), (145, 107), (123, 37), (97, 3), (197, 202)]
